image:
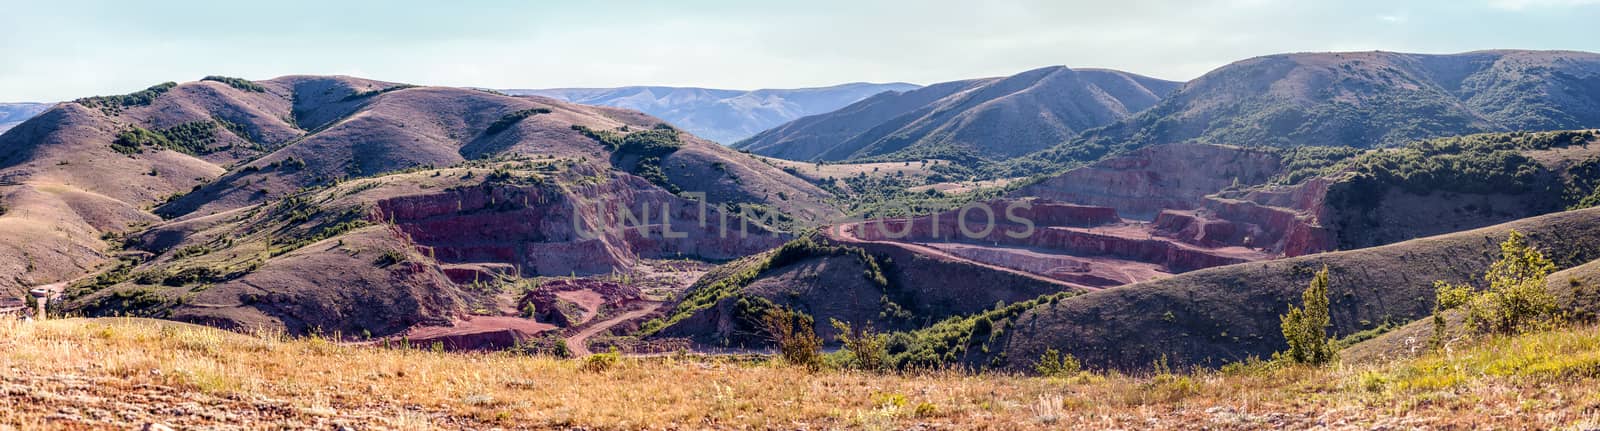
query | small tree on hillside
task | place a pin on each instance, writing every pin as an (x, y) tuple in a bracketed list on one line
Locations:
[(1517, 299), (1306, 329)]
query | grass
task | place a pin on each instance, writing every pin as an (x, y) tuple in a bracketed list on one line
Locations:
[(1533, 381)]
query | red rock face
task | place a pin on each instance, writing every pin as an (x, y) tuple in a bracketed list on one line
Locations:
[(1144, 182), (1078, 235), (582, 229), (1084, 245), (1280, 220)]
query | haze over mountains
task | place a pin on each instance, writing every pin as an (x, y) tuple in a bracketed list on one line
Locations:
[(990, 118), (12, 114), (725, 116)]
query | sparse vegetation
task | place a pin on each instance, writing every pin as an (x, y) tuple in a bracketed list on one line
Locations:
[(113, 105), (1493, 384), (239, 83), (358, 95), (512, 119), (194, 138)]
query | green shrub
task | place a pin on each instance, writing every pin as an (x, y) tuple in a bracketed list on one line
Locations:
[(1055, 364), (513, 118), (1517, 299), (358, 95), (239, 83), (601, 362), (390, 257), (868, 350), (798, 344), (1306, 329), (113, 105)]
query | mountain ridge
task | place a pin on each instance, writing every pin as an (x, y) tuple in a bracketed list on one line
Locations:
[(1030, 110), (721, 115)]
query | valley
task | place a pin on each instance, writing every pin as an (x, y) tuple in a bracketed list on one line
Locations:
[(1056, 247)]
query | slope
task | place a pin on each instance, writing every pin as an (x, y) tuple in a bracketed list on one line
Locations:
[(1362, 99), (982, 119)]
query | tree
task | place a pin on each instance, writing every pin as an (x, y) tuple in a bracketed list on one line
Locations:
[(1516, 300), (1306, 329)]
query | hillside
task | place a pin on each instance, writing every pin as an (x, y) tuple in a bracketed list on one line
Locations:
[(966, 121), (186, 158), (1362, 99), (724, 116), (12, 114), (127, 373), (1225, 314)]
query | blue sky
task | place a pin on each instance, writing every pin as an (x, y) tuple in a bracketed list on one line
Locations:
[(62, 49)]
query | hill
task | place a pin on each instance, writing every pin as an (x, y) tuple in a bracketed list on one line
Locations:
[(966, 121), (1226, 314), (12, 114), (225, 163), (1362, 99), (724, 116)]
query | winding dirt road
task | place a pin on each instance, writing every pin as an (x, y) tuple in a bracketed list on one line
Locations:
[(579, 342)]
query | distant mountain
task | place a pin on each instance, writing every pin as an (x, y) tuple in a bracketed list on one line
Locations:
[(992, 118), (12, 114), (725, 116), (1363, 99)]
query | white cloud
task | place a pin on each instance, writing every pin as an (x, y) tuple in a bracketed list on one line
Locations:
[(1518, 5)]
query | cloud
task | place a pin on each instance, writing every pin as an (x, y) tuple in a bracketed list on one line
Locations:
[(1519, 5), (1393, 18)]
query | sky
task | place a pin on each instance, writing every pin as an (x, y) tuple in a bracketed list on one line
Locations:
[(64, 49)]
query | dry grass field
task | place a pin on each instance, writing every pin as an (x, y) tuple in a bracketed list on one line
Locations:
[(124, 373)]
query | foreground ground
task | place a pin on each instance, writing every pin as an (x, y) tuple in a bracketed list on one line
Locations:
[(119, 373)]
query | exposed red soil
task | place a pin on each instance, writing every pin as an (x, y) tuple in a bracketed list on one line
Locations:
[(478, 333), (1084, 246)]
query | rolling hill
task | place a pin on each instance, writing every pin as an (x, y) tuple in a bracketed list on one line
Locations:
[(724, 116), (312, 203), (980, 119), (1361, 99)]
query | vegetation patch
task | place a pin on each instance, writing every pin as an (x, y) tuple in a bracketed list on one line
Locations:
[(512, 119), (239, 83), (113, 105), (369, 93), (195, 138)]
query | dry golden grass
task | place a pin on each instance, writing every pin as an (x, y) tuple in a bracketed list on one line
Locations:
[(82, 373)]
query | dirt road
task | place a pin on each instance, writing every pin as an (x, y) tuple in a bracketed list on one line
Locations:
[(579, 342)]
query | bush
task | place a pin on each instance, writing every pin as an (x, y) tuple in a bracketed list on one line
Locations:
[(1306, 329), (600, 362), (797, 342), (390, 257), (868, 350), (1054, 364), (1516, 300)]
